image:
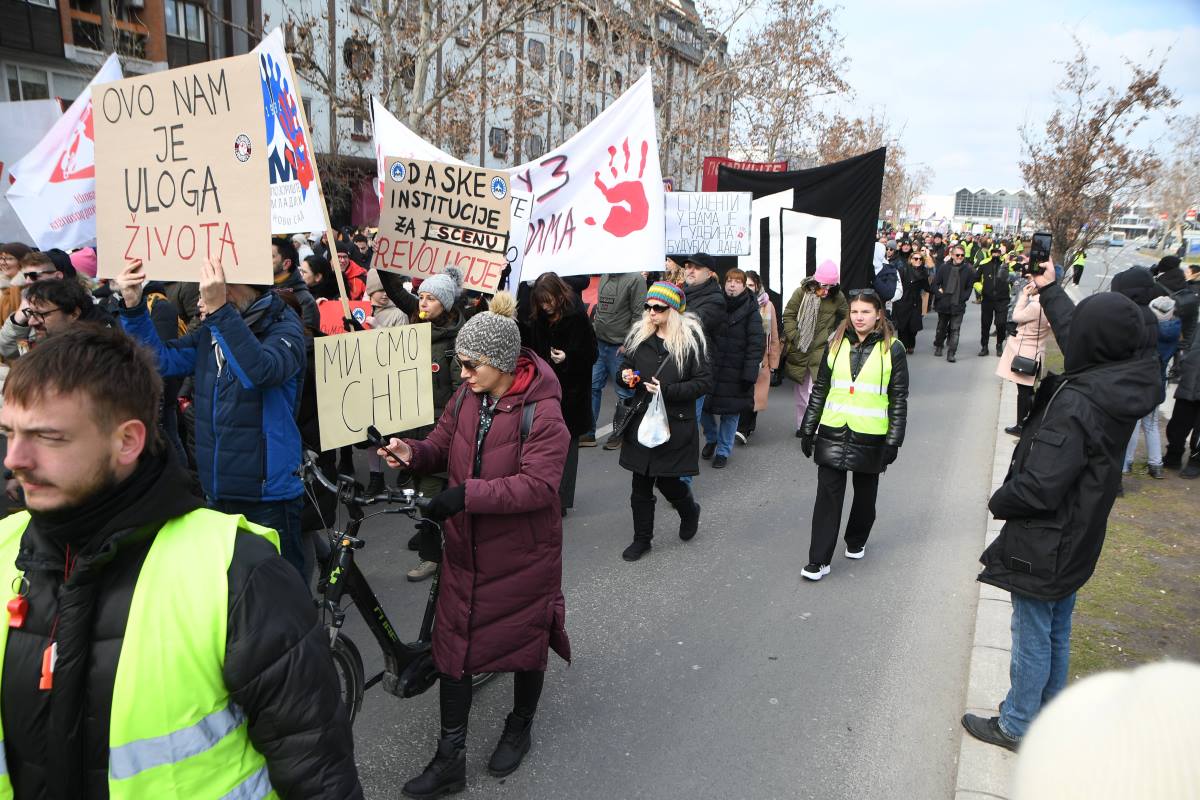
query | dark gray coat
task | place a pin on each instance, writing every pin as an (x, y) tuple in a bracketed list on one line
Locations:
[(737, 354)]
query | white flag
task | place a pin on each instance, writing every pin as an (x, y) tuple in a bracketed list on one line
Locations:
[(291, 162), (25, 123), (55, 190), (598, 197)]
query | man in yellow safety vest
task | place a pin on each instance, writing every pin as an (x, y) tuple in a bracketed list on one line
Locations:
[(153, 648)]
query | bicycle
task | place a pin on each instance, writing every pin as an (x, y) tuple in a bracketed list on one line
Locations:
[(408, 666)]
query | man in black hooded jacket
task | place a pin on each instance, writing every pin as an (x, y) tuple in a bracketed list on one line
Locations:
[(1060, 488), (107, 513)]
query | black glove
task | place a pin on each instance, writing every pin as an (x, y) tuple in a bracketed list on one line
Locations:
[(890, 451), (1011, 328), (429, 542), (447, 503), (806, 446)]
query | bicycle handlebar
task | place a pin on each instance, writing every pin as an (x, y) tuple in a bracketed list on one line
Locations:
[(411, 502)]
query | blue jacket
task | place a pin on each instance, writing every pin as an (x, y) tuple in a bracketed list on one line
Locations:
[(1168, 338), (248, 372)]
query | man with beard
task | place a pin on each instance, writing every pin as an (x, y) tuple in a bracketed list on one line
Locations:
[(154, 648), (248, 358)]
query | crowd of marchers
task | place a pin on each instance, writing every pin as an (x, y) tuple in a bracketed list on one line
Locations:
[(140, 415)]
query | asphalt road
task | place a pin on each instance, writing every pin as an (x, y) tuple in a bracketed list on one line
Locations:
[(711, 669), (1105, 262)]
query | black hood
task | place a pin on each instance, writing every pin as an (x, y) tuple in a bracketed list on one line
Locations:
[(1106, 328), (1136, 283)]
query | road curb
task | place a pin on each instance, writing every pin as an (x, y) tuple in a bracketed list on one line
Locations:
[(985, 770)]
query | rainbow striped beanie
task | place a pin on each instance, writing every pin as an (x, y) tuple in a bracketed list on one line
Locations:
[(669, 293)]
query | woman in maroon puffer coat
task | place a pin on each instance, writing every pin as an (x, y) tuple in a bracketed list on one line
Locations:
[(500, 606)]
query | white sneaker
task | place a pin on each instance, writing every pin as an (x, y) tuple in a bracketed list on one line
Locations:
[(741, 437), (856, 553), (814, 572)]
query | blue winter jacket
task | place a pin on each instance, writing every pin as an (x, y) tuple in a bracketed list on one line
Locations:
[(248, 372)]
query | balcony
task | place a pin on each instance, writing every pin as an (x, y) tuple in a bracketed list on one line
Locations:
[(132, 37), (36, 29)]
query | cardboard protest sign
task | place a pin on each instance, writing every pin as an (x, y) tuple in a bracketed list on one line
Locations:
[(332, 319), (381, 377), (717, 223), (440, 215), (181, 172)]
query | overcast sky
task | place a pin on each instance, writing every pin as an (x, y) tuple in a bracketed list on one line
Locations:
[(961, 77)]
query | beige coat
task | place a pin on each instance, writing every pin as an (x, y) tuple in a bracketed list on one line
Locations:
[(1033, 331), (762, 386)]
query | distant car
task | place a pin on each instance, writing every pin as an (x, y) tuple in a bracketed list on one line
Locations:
[(1116, 239)]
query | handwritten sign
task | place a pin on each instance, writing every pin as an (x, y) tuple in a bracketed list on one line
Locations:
[(333, 323), (717, 223), (438, 215), (181, 172), (381, 377)]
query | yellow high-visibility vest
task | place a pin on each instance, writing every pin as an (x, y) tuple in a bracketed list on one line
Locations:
[(860, 403)]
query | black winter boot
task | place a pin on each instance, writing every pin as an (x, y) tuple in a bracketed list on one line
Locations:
[(643, 528), (446, 773), (513, 745), (689, 517)]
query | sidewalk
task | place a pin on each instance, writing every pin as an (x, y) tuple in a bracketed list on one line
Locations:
[(984, 770)]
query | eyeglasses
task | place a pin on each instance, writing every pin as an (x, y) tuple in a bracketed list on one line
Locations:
[(40, 316), (868, 292), (470, 365), (38, 274), (957, 255), (656, 309)]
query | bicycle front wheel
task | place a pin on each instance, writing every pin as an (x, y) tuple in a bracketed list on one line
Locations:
[(349, 667)]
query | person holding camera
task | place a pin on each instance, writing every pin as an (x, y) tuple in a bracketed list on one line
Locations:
[(1060, 489), (1025, 350), (502, 441), (854, 423)]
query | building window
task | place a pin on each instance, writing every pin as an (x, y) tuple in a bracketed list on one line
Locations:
[(45, 3), (25, 83), (566, 63), (593, 71), (68, 87), (569, 20), (186, 21), (536, 50), (362, 130), (534, 146), (617, 81), (593, 30), (498, 141), (589, 110), (641, 54)]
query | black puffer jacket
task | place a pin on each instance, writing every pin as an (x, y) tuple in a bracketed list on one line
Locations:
[(994, 274), (1189, 376), (680, 455), (707, 301), (277, 663), (573, 335), (842, 448), (943, 303), (737, 355), (1064, 474)]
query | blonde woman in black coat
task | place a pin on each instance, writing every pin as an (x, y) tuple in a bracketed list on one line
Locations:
[(665, 352)]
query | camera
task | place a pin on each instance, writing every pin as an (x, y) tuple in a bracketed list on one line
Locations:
[(1039, 253)]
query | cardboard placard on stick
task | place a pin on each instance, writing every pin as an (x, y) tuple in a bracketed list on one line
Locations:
[(438, 215), (381, 377), (181, 172)]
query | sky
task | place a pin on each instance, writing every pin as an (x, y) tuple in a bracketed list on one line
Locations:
[(960, 78)]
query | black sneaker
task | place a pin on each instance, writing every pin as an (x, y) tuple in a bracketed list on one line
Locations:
[(987, 729), (937, 351), (856, 554), (376, 485), (950, 357), (708, 450), (719, 462), (513, 745), (814, 572), (1013, 430), (984, 352), (741, 437)]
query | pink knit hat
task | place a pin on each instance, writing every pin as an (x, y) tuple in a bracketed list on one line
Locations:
[(85, 261), (827, 273)]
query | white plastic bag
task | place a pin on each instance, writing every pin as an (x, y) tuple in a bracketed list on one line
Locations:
[(654, 429)]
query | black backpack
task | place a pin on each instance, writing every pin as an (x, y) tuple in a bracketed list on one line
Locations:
[(886, 281)]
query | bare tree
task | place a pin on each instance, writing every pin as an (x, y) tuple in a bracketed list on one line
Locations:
[(1085, 160), (1177, 184), (839, 138)]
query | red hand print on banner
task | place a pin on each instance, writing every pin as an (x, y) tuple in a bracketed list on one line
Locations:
[(623, 221)]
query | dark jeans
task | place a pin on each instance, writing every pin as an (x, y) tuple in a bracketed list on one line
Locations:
[(1024, 402), (283, 516), (994, 312), (1183, 431), (947, 331), (455, 700), (827, 512)]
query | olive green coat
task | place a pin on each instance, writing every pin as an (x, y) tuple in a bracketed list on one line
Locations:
[(801, 363)]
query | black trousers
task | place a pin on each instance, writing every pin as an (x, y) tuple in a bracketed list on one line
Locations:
[(747, 422), (455, 700), (947, 331), (1183, 430), (827, 512), (997, 314), (674, 489), (566, 486), (1024, 402), (1077, 273)]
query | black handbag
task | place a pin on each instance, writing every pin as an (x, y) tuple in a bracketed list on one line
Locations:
[(1024, 365), (629, 407)]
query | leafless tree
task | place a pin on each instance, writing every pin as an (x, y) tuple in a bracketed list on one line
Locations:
[(839, 137), (1177, 185), (1085, 159)]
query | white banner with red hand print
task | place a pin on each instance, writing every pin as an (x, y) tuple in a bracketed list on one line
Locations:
[(598, 198), (295, 201), (55, 189)]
